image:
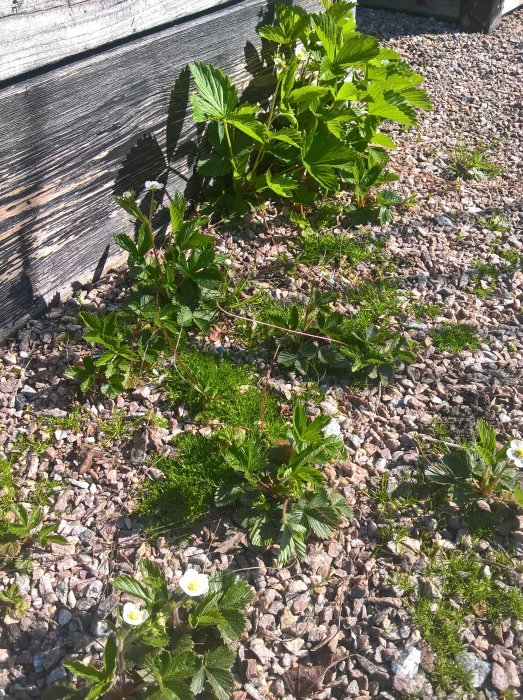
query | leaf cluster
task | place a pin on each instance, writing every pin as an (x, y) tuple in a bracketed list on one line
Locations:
[(277, 490), (13, 602), (364, 350), (477, 471), (25, 528), (174, 288), (182, 651), (332, 89)]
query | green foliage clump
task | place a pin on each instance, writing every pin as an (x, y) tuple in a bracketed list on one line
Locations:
[(277, 491), (466, 586), (496, 222), (429, 310), (480, 470), (472, 163), (454, 337), (328, 248), (23, 529), (320, 339), (185, 493), (174, 289), (217, 389), (173, 645), (7, 484), (331, 89), (13, 603)]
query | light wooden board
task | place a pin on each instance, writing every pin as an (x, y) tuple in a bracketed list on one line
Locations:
[(36, 33), (65, 135)]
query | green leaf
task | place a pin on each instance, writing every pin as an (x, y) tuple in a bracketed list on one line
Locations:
[(126, 243), (487, 438), (86, 671), (128, 584), (244, 120), (389, 105), (272, 33), (389, 197), (288, 135), (347, 92), (282, 185), (109, 659), (144, 240), (216, 671), (213, 165), (177, 211), (455, 466), (99, 690), (357, 48), (518, 495), (307, 94), (292, 543), (216, 98), (416, 97), (321, 154), (224, 607), (328, 33)]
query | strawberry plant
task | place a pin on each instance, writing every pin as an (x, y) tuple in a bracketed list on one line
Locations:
[(177, 644), (333, 89), (175, 287), (278, 492), (481, 470)]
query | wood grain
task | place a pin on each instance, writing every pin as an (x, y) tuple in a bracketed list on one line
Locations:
[(36, 33), (66, 134)]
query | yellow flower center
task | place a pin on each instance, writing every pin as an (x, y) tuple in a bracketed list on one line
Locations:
[(135, 614), (519, 451), (192, 586)]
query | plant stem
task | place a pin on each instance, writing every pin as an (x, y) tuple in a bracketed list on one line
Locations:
[(229, 143), (270, 119), (326, 338), (151, 231), (308, 310)]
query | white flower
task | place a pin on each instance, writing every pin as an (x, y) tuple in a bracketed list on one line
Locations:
[(515, 451), (133, 614), (332, 428), (194, 583), (153, 185), (279, 64), (128, 195), (301, 52), (328, 276)]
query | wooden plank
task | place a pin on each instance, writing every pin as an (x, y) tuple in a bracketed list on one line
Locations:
[(443, 9), (36, 33), (66, 134), (481, 15)]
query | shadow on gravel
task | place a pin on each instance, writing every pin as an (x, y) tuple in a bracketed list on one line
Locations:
[(389, 24)]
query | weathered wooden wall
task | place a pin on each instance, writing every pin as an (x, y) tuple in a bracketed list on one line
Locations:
[(445, 9), (66, 133), (36, 33), (472, 15)]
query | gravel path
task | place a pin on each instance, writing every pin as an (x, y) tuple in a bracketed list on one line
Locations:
[(338, 624)]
